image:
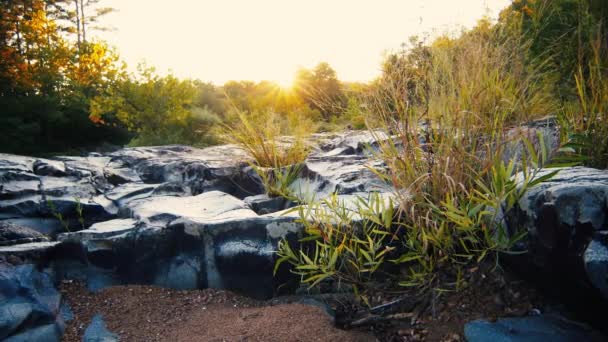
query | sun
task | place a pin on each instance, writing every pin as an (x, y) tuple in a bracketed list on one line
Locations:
[(285, 83)]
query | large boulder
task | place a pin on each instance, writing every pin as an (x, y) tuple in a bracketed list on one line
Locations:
[(566, 221), (209, 240), (30, 306)]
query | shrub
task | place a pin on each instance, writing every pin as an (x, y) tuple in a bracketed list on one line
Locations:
[(446, 109), (261, 136)]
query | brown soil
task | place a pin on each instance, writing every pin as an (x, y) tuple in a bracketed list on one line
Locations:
[(489, 294), (147, 313)]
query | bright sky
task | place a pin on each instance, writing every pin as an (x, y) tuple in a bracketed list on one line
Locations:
[(221, 40)]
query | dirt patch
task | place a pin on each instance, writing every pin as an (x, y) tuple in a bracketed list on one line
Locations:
[(147, 313)]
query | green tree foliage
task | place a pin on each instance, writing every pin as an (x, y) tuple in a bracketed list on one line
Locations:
[(46, 82), (160, 110), (321, 90), (561, 31)]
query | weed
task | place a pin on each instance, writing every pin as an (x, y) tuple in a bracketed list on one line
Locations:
[(447, 109), (586, 122), (65, 224), (260, 135)]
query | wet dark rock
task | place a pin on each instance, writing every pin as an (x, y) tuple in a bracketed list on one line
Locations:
[(264, 204), (183, 217), (596, 264), (30, 305), (100, 230), (562, 216), (31, 252), (530, 329)]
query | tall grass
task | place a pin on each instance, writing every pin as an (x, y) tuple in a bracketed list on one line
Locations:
[(263, 137), (445, 156), (447, 108), (586, 122)]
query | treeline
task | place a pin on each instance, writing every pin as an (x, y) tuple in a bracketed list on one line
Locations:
[(62, 92)]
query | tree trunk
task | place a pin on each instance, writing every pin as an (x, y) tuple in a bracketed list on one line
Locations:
[(77, 23), (84, 22)]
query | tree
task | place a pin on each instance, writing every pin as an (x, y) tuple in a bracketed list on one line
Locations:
[(161, 110), (561, 32), (46, 83), (321, 90)]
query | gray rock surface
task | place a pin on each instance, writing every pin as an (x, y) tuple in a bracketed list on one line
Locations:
[(596, 264), (182, 217), (566, 219), (529, 329), (29, 306), (12, 234)]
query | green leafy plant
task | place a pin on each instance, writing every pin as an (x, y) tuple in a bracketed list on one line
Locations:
[(64, 223), (278, 181), (59, 216), (79, 212), (345, 242)]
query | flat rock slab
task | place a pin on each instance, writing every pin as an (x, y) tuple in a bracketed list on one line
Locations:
[(100, 230), (11, 234), (213, 205)]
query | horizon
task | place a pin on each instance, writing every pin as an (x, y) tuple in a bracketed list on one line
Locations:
[(214, 43)]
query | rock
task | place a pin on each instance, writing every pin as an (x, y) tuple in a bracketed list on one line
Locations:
[(31, 252), (264, 204), (529, 329), (47, 226), (116, 173), (100, 230), (44, 333), (547, 128), (170, 215), (30, 305), (213, 205), (33, 247), (15, 184), (11, 162), (596, 264), (209, 240), (46, 167), (214, 168), (12, 234), (97, 331), (562, 216), (342, 166)]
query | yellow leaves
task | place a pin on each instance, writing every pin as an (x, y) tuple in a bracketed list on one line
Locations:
[(527, 10), (96, 65)]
